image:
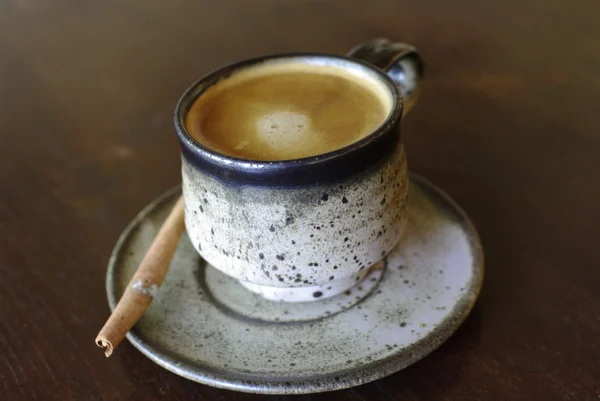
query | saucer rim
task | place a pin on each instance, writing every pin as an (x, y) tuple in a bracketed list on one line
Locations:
[(325, 382)]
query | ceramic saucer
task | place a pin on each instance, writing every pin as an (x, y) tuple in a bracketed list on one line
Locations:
[(208, 328)]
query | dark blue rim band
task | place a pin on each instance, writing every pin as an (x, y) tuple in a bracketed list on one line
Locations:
[(333, 166)]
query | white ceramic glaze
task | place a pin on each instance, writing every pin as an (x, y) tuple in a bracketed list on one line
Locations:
[(298, 244)]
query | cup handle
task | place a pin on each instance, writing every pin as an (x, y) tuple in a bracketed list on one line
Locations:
[(400, 61)]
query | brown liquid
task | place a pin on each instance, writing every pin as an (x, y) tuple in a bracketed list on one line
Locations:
[(287, 111)]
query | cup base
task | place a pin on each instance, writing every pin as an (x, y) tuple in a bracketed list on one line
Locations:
[(315, 292), (233, 296)]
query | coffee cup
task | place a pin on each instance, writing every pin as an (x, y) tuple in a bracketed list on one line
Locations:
[(290, 215)]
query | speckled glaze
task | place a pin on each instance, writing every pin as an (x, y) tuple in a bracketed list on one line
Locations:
[(205, 326), (305, 229), (298, 237)]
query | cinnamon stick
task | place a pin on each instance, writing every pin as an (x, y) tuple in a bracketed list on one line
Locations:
[(145, 282)]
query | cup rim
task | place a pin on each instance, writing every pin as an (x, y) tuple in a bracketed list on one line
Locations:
[(267, 171)]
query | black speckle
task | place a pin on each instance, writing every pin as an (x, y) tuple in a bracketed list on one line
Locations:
[(305, 281), (326, 260), (312, 235), (406, 281), (344, 200), (335, 267), (293, 267), (199, 246), (272, 228), (291, 364), (383, 200), (331, 278), (325, 197), (346, 239), (261, 255), (379, 234), (293, 242), (280, 257), (201, 209), (281, 279), (403, 324), (289, 220), (317, 294), (297, 280)]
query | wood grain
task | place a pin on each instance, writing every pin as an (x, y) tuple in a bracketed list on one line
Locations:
[(508, 124)]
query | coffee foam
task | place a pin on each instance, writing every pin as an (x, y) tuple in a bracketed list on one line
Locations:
[(283, 129), (286, 110)]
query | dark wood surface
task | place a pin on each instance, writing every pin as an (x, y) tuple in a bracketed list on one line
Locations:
[(508, 124)]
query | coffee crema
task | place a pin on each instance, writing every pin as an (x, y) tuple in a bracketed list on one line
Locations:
[(288, 110)]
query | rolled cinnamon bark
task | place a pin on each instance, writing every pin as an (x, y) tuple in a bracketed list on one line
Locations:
[(145, 282)]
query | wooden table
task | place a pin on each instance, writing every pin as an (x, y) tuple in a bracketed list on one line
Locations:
[(509, 125)]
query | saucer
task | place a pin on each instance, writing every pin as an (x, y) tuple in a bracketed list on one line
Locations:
[(208, 328)]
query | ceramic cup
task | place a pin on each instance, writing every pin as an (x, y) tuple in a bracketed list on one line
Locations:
[(304, 229)]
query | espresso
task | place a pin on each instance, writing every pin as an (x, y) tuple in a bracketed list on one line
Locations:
[(288, 110)]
